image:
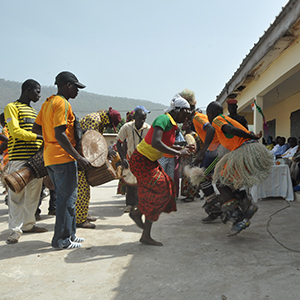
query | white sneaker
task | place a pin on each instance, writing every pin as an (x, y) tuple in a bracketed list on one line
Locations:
[(73, 245), (78, 240)]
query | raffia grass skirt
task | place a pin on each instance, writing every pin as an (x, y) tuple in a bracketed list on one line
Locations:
[(245, 166)]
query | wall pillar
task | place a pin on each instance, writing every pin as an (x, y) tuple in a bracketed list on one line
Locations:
[(258, 118)]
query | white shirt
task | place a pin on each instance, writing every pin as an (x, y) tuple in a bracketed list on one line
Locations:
[(275, 148), (133, 135), (290, 152)]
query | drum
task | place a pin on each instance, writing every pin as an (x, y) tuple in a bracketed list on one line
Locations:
[(34, 168), (129, 178), (100, 175), (94, 149), (36, 163)]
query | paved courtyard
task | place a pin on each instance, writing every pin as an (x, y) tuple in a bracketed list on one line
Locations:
[(197, 261)]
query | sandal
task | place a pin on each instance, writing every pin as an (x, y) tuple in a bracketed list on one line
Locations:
[(35, 229), (91, 219)]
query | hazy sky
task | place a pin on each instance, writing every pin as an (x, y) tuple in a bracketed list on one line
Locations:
[(135, 48)]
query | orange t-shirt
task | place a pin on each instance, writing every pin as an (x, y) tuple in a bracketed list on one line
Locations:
[(200, 121), (56, 111), (229, 141)]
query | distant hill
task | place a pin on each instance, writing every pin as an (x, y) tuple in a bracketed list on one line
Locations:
[(84, 103)]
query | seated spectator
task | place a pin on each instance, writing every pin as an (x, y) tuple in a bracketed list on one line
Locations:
[(276, 145), (270, 143), (291, 151), (295, 170), (282, 147)]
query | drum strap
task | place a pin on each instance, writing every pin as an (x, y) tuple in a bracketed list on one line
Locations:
[(139, 135)]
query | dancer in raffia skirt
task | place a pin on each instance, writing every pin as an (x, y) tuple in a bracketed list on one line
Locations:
[(247, 164)]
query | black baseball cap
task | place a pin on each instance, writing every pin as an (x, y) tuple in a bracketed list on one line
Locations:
[(65, 77)]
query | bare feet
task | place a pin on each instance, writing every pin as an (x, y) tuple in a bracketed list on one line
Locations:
[(150, 242), (137, 218)]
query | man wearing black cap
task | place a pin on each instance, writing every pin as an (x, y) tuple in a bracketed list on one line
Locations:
[(232, 109), (56, 121)]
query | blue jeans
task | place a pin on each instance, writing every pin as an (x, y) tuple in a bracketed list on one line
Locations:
[(65, 180)]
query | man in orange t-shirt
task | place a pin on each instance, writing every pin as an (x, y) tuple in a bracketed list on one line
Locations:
[(207, 158), (56, 122), (239, 168)]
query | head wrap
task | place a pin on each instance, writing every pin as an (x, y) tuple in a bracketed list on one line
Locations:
[(177, 102), (189, 96), (129, 116), (115, 117), (231, 101)]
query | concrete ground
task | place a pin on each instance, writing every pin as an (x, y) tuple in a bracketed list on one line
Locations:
[(197, 261)]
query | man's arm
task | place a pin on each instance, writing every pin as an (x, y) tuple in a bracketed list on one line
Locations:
[(122, 155), (37, 129), (11, 118), (158, 144), (210, 133), (121, 138), (241, 133), (62, 139)]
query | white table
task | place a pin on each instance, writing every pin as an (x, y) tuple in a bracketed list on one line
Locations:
[(278, 184)]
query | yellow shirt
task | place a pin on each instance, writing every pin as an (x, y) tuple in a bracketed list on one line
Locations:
[(169, 126), (22, 142), (55, 112)]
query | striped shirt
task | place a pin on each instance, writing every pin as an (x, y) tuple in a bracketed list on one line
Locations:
[(22, 142)]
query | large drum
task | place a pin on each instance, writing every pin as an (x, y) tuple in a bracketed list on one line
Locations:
[(34, 168), (94, 149)]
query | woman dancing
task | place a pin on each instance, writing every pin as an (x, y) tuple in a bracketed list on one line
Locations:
[(156, 190)]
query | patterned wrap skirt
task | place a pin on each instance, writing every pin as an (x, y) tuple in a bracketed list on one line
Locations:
[(156, 190)]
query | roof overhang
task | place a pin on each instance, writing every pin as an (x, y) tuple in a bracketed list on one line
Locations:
[(279, 36)]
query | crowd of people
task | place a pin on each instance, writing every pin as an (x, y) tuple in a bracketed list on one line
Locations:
[(286, 152), (215, 155)]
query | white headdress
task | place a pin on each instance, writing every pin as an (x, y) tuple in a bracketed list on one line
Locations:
[(177, 101)]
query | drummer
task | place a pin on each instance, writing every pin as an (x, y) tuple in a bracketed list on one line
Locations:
[(94, 121), (22, 144), (133, 133), (56, 121)]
